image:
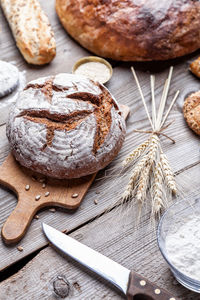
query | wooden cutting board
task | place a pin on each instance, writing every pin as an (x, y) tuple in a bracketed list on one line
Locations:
[(52, 192)]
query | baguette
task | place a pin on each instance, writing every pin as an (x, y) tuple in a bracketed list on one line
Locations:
[(31, 30)]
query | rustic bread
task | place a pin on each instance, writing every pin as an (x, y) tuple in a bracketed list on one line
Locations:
[(31, 30), (65, 126), (133, 30), (195, 67), (191, 111)]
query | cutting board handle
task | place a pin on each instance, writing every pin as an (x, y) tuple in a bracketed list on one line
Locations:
[(18, 221)]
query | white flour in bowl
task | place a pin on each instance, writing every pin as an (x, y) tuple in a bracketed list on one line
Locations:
[(183, 248)]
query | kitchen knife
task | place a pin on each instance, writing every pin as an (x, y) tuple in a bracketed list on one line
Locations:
[(130, 283)]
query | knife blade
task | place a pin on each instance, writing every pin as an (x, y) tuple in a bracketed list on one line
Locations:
[(129, 282)]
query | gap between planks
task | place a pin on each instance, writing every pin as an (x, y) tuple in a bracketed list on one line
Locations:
[(16, 267), (116, 238)]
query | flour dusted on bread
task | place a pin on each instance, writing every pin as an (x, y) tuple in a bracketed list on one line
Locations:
[(133, 30), (65, 126), (31, 30)]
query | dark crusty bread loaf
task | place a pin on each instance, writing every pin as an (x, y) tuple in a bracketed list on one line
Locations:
[(65, 126), (133, 30)]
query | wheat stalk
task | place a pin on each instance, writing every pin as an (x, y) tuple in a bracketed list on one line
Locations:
[(153, 147), (136, 153), (136, 172), (168, 173), (153, 162), (157, 190), (143, 184)]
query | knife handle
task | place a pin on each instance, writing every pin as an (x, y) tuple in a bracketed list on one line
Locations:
[(141, 289)]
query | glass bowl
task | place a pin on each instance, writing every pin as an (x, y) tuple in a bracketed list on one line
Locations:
[(175, 216)]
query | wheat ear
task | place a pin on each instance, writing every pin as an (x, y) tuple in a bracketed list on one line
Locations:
[(157, 190), (136, 172), (143, 184), (153, 148), (136, 153), (168, 173)]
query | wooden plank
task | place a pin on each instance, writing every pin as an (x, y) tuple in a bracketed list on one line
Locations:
[(68, 51), (184, 153), (114, 236)]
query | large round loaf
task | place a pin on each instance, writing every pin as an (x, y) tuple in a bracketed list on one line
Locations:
[(133, 30), (65, 126)]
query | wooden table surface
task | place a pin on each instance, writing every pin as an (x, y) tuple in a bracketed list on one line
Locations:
[(34, 272)]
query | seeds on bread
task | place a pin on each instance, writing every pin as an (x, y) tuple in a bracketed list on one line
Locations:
[(31, 30)]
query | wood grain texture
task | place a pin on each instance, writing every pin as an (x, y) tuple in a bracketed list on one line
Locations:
[(114, 235), (182, 155), (62, 193)]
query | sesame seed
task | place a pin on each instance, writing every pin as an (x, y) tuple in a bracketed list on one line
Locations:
[(44, 185), (52, 210), (37, 197), (27, 187), (36, 217), (75, 195), (20, 248), (96, 201), (46, 194), (64, 231)]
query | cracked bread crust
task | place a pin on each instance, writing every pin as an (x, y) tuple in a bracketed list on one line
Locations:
[(191, 111), (133, 30), (65, 126)]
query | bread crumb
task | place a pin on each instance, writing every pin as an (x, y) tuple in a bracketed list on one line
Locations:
[(27, 187), (20, 248), (75, 195), (52, 210), (37, 197)]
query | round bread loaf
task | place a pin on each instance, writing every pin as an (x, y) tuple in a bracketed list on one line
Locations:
[(65, 126), (191, 111), (133, 30)]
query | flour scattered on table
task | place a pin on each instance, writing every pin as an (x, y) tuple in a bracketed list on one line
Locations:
[(9, 78), (12, 82), (183, 248)]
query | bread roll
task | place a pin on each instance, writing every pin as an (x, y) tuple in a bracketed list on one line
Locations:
[(191, 111), (133, 30), (65, 126), (195, 67), (31, 30)]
